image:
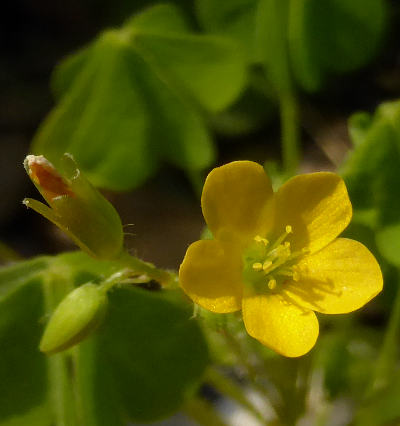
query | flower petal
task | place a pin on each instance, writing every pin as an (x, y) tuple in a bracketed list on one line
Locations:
[(340, 278), (317, 207), (236, 201), (285, 328), (210, 275)]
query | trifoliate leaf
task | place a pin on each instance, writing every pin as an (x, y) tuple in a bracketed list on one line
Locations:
[(333, 36), (23, 374), (135, 97), (148, 357), (234, 19)]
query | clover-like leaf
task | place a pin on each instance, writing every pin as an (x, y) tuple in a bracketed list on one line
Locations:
[(148, 357), (373, 181), (23, 373), (333, 37), (135, 97), (229, 18)]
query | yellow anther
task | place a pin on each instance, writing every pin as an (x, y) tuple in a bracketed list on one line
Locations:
[(296, 276), (272, 284), (266, 265), (259, 239), (287, 244), (257, 266), (288, 229)]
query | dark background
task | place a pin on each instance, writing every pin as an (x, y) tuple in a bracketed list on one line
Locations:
[(165, 213)]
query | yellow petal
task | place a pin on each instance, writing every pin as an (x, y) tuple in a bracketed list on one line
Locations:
[(317, 207), (340, 278), (285, 328), (236, 201), (211, 274)]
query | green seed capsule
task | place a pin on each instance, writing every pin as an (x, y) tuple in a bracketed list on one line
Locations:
[(77, 316)]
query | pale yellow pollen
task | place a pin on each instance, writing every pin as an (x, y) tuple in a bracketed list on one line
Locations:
[(257, 266), (266, 265), (277, 258), (261, 240)]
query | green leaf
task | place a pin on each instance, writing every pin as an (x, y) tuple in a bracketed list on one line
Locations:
[(383, 409), (23, 375), (136, 96), (372, 175), (304, 62), (234, 19), (359, 124), (372, 180), (66, 71), (271, 42), (142, 363), (102, 120), (333, 36), (388, 242), (148, 357)]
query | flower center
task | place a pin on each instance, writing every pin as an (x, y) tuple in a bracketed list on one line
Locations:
[(270, 264)]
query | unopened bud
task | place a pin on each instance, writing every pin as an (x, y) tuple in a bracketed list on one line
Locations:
[(75, 206), (75, 318)]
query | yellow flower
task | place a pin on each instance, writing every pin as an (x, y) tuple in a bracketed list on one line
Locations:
[(276, 256)]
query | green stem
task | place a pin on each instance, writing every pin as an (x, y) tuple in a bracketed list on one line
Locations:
[(231, 389), (165, 278), (388, 353), (290, 133), (251, 371), (59, 375)]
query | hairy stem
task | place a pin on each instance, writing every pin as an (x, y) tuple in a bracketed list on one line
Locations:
[(60, 365), (162, 276)]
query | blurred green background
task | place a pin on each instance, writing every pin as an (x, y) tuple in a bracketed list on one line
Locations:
[(205, 83)]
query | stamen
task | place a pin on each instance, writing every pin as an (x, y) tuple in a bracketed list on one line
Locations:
[(279, 241), (297, 253), (277, 259), (276, 265), (261, 240), (257, 266), (272, 283), (289, 273)]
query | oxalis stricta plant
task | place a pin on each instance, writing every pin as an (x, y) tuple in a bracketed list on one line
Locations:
[(276, 256)]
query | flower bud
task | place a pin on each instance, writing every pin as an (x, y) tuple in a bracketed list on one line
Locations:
[(77, 316), (76, 206)]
